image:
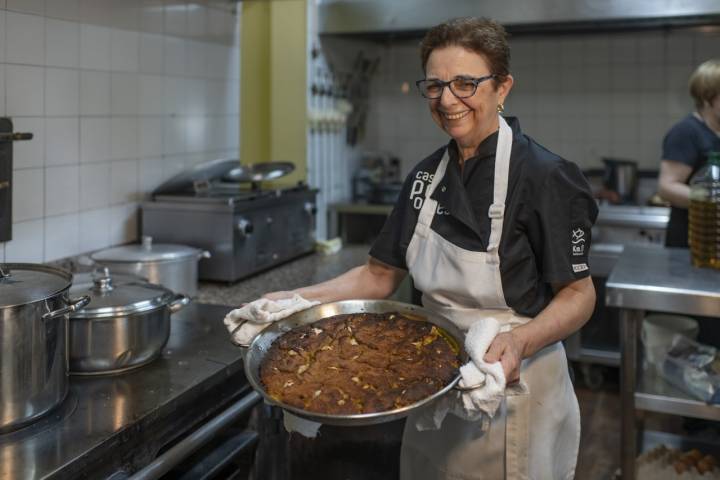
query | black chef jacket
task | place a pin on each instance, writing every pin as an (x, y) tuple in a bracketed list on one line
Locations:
[(549, 213)]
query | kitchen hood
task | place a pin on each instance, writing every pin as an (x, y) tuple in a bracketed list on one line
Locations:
[(413, 17)]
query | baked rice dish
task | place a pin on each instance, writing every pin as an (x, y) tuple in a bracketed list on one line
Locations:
[(359, 363)]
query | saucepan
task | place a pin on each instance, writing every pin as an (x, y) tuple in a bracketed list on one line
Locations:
[(621, 177), (126, 326), (175, 267), (34, 308), (259, 346)]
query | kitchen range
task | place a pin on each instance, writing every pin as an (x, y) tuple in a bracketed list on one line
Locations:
[(219, 206), (113, 426)]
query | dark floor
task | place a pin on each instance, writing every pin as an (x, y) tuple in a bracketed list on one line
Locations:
[(599, 456)]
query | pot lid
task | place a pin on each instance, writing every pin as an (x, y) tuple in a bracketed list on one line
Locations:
[(146, 251), (203, 175), (117, 295), (258, 172), (22, 283)]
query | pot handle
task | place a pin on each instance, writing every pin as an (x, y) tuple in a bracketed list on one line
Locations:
[(73, 306), (178, 303), (204, 254)]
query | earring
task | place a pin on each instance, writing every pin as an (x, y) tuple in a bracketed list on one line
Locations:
[(500, 108)]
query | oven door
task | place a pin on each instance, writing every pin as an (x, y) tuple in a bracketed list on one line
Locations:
[(224, 446)]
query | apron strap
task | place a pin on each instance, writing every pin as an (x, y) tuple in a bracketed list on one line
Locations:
[(517, 432), (496, 212)]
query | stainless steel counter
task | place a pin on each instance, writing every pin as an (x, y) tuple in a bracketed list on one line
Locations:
[(652, 279), (663, 279), (99, 428)]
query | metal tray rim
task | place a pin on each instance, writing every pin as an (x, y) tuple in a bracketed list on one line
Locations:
[(325, 310)]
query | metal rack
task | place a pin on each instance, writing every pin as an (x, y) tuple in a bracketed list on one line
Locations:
[(649, 279)]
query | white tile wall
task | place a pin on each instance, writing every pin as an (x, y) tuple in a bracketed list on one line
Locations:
[(62, 190), (582, 96), (62, 236), (25, 38), (95, 47), (28, 194), (28, 242), (62, 91), (2, 33), (94, 229), (62, 137), (94, 93), (29, 6), (94, 139), (63, 9), (119, 96), (29, 154), (95, 186), (62, 43), (24, 90)]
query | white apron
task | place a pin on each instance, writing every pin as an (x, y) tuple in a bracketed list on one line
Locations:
[(535, 435)]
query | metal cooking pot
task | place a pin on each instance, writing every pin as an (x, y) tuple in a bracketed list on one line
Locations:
[(126, 326), (173, 266), (34, 305), (621, 176), (259, 346)]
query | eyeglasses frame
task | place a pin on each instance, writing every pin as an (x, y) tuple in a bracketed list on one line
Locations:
[(475, 80)]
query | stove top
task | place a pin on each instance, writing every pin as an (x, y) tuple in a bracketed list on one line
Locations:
[(227, 193), (108, 422)]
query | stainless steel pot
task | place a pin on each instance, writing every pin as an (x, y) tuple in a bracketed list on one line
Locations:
[(261, 343), (173, 266), (621, 177), (34, 307), (126, 326)]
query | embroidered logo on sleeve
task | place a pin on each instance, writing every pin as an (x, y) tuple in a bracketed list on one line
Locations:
[(577, 241), (579, 267)]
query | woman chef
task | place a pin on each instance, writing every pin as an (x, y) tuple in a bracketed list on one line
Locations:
[(491, 224), (686, 146)]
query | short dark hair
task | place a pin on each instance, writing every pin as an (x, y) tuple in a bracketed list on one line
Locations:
[(705, 82), (480, 35)]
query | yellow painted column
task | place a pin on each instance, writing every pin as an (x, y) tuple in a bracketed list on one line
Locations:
[(254, 82), (273, 84)]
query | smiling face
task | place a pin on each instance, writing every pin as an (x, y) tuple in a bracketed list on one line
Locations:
[(467, 120)]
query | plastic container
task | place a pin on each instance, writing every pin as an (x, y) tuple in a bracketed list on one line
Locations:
[(658, 331), (693, 367), (704, 214)]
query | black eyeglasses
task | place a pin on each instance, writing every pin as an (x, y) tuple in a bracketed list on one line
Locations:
[(461, 87)]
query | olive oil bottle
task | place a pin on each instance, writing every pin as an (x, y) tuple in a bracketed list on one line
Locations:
[(704, 213)]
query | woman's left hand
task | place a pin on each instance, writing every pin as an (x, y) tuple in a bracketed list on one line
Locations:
[(507, 350)]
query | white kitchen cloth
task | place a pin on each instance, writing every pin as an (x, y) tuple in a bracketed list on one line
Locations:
[(485, 399), (306, 428), (481, 402), (247, 321)]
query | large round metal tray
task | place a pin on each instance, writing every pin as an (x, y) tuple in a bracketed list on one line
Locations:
[(259, 346)]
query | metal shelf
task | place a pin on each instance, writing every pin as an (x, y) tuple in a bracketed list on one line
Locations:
[(597, 356), (655, 394)]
